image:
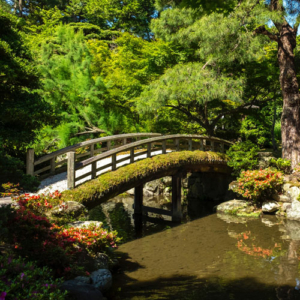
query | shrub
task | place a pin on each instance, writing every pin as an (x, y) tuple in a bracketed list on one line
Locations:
[(281, 164), (12, 171), (24, 280), (259, 184), (243, 156), (33, 236)]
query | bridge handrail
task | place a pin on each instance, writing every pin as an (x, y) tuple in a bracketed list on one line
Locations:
[(30, 162), (145, 142)]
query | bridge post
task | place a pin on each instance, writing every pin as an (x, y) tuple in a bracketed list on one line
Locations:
[(190, 145), (138, 200), (164, 147), (71, 170), (114, 162), (52, 166), (222, 148), (177, 144), (201, 145), (92, 150), (212, 146), (132, 155), (30, 162), (176, 197), (149, 149)]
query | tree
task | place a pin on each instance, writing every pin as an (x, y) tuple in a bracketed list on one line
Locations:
[(201, 96), (22, 110), (76, 97), (236, 36)]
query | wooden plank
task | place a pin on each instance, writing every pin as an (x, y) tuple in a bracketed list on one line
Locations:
[(176, 198), (114, 162), (30, 162), (176, 142), (135, 144), (149, 146), (164, 147), (125, 141), (132, 155), (71, 170), (108, 145), (61, 162), (52, 166), (157, 211), (94, 171), (92, 150), (42, 170), (83, 176), (138, 199), (83, 154), (94, 141), (190, 145), (104, 167)]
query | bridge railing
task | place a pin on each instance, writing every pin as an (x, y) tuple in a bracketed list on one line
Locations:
[(152, 146), (47, 165)]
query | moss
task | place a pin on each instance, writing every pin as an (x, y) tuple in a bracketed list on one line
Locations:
[(140, 169), (255, 214)]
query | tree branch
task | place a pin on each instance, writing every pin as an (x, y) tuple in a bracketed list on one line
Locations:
[(262, 30)]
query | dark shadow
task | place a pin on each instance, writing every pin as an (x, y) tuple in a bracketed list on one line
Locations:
[(208, 288)]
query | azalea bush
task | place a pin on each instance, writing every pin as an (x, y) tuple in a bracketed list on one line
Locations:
[(25, 280), (258, 185), (32, 235)]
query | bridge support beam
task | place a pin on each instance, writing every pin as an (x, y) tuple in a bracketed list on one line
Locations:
[(138, 200), (176, 197)]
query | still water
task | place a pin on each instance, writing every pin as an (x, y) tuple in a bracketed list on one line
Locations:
[(212, 257)]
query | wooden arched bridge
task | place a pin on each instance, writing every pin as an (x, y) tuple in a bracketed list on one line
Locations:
[(111, 152)]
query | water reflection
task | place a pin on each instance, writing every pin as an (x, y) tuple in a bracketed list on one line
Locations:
[(213, 257)]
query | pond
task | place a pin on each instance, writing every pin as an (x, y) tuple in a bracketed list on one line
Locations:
[(216, 256)]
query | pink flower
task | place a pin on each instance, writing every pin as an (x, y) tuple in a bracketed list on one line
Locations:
[(3, 295)]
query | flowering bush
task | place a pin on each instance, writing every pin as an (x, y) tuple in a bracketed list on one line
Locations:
[(258, 184), (32, 235), (24, 280), (10, 189)]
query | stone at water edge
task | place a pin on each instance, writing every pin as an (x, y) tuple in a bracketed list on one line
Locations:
[(102, 279), (281, 198), (81, 291), (70, 208), (291, 191), (293, 213), (270, 206), (85, 224), (231, 205)]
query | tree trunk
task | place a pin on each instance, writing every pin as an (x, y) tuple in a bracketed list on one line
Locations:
[(290, 120)]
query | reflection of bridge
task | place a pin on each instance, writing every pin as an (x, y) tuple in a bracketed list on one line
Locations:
[(109, 153)]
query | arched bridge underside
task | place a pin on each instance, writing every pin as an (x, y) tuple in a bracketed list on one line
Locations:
[(175, 164)]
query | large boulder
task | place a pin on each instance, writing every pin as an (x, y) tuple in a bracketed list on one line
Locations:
[(270, 206), (291, 191), (69, 208), (231, 206), (80, 290), (293, 213), (102, 279)]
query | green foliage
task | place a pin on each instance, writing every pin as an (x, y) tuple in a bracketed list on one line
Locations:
[(281, 164), (243, 156), (12, 170), (22, 111), (258, 185), (200, 96), (20, 279)]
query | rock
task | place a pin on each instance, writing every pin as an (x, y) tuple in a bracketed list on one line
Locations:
[(102, 261), (268, 222), (83, 279), (291, 191), (85, 224), (102, 279), (130, 192), (281, 198), (81, 291), (285, 206), (70, 208), (233, 185), (293, 229), (167, 190), (231, 206), (167, 181), (270, 206), (293, 213), (263, 159)]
